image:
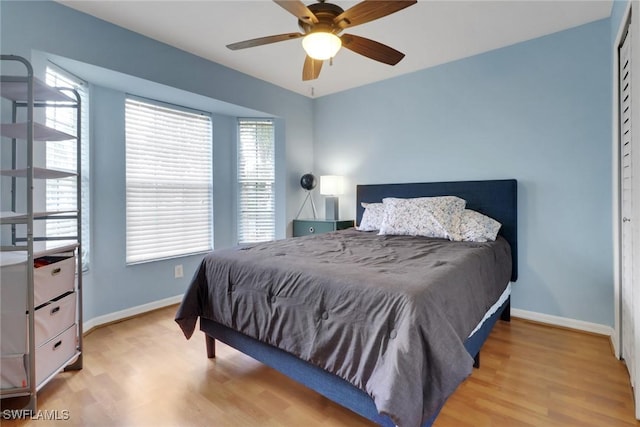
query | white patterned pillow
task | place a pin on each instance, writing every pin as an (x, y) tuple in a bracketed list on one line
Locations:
[(423, 216), (372, 216), (476, 227)]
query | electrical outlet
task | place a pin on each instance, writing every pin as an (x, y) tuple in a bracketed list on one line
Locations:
[(178, 272)]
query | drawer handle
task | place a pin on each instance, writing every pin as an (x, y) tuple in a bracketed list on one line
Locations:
[(56, 345), (54, 310), (312, 230), (56, 271)]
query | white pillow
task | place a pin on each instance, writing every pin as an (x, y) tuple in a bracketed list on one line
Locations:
[(372, 216), (476, 227), (423, 216)]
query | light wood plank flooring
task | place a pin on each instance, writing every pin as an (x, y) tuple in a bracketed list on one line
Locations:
[(142, 372)]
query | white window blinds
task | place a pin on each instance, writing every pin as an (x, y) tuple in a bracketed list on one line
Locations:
[(256, 178), (62, 155), (168, 181)]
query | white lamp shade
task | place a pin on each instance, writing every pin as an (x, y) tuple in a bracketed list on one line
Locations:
[(321, 45), (331, 185)]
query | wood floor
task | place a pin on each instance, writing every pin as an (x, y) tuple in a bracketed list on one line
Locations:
[(142, 372)]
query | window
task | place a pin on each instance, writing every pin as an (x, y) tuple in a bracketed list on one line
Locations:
[(256, 179), (62, 155), (168, 181)]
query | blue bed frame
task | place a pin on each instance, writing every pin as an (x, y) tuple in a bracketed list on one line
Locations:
[(495, 198)]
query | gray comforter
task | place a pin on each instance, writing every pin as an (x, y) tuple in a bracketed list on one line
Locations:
[(389, 314)]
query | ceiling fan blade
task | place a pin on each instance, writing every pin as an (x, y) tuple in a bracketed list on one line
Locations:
[(264, 40), (368, 10), (299, 10), (311, 69), (371, 49)]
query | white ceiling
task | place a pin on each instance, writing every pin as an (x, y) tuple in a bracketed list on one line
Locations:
[(429, 33)]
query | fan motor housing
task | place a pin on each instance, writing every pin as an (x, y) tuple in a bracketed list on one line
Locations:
[(326, 13)]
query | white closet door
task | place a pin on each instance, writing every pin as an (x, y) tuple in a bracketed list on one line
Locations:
[(628, 346)]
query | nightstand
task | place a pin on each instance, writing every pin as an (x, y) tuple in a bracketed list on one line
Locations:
[(305, 227)]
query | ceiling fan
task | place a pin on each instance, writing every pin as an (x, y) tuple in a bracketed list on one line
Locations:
[(321, 24)]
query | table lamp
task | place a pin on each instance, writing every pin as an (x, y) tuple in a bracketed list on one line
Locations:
[(331, 186)]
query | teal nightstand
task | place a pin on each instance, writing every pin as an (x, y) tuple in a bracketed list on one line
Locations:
[(305, 227)]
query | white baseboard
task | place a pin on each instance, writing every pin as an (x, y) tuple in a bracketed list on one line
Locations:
[(129, 312), (515, 312), (563, 322)]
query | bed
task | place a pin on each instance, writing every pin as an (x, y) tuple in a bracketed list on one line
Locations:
[(361, 338)]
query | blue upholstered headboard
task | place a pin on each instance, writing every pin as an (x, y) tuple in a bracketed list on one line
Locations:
[(495, 198)]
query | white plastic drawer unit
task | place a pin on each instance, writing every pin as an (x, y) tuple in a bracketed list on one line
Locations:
[(55, 317), (53, 279), (53, 355)]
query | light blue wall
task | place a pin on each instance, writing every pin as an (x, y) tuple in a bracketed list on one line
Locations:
[(108, 273), (538, 111), (31, 29)]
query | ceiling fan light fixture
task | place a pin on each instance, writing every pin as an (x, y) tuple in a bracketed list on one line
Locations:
[(321, 45)]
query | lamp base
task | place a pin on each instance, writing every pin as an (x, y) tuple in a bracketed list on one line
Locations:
[(331, 208)]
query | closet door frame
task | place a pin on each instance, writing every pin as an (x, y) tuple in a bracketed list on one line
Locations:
[(634, 30)]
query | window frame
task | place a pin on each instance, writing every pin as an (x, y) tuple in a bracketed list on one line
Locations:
[(239, 178), (53, 71), (132, 259)]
